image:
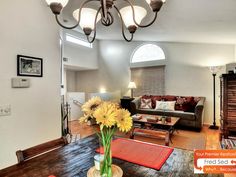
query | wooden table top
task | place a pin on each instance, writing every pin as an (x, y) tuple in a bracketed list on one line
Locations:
[(144, 119), (75, 159)]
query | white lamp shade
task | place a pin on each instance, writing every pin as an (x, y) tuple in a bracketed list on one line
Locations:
[(127, 15), (62, 2), (132, 85), (87, 17), (214, 69)]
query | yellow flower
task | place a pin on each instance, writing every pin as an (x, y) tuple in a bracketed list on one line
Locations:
[(90, 106), (84, 119), (105, 114), (124, 121), (116, 105)]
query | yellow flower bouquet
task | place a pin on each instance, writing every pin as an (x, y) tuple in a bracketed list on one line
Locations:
[(110, 117)]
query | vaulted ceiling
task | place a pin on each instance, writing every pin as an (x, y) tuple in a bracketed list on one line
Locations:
[(204, 21)]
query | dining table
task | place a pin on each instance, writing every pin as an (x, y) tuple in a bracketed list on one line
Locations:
[(75, 159)]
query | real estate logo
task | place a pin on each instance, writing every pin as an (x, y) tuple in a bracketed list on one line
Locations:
[(214, 161)]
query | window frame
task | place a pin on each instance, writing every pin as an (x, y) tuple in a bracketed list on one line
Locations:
[(82, 42)]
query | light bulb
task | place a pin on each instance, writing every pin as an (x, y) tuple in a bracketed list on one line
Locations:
[(127, 15), (87, 17), (62, 2)]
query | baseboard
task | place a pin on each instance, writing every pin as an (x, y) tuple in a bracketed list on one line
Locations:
[(208, 124)]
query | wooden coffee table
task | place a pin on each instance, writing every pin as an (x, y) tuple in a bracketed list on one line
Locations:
[(151, 125)]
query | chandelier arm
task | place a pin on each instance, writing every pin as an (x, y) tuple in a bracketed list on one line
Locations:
[(66, 27), (141, 26), (95, 27), (74, 26), (122, 24)]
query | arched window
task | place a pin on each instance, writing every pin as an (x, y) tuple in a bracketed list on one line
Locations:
[(147, 65), (147, 52)]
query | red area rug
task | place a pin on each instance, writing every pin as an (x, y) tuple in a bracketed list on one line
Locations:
[(141, 153)]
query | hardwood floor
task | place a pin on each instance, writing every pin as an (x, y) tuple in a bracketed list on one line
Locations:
[(83, 130), (212, 136)]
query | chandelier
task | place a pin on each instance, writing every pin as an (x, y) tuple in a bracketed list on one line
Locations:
[(87, 18)]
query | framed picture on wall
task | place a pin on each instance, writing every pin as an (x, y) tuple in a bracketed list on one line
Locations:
[(29, 66)]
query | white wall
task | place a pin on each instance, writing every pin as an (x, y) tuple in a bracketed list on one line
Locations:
[(28, 28), (113, 68), (79, 57), (70, 81), (186, 69), (235, 53)]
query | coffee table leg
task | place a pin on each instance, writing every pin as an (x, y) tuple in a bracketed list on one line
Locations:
[(167, 139), (132, 133), (171, 132), (171, 140)]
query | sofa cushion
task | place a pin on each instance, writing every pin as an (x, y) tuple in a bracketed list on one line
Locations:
[(195, 101), (186, 104), (183, 103), (146, 103), (165, 105), (146, 97), (169, 98), (182, 115), (154, 99), (179, 103)]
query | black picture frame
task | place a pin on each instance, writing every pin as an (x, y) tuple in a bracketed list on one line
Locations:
[(29, 66)]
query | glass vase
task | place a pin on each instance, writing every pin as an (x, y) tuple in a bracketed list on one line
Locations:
[(106, 170)]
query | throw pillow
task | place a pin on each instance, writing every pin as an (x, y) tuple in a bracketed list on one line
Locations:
[(180, 100), (179, 103), (194, 103), (169, 98), (146, 97), (165, 105), (185, 104), (146, 103), (154, 99)]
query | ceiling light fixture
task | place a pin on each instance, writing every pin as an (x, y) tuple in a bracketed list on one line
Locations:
[(131, 16)]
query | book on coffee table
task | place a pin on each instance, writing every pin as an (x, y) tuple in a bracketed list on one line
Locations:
[(137, 117)]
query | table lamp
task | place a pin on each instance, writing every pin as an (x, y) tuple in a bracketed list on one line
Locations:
[(132, 86)]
